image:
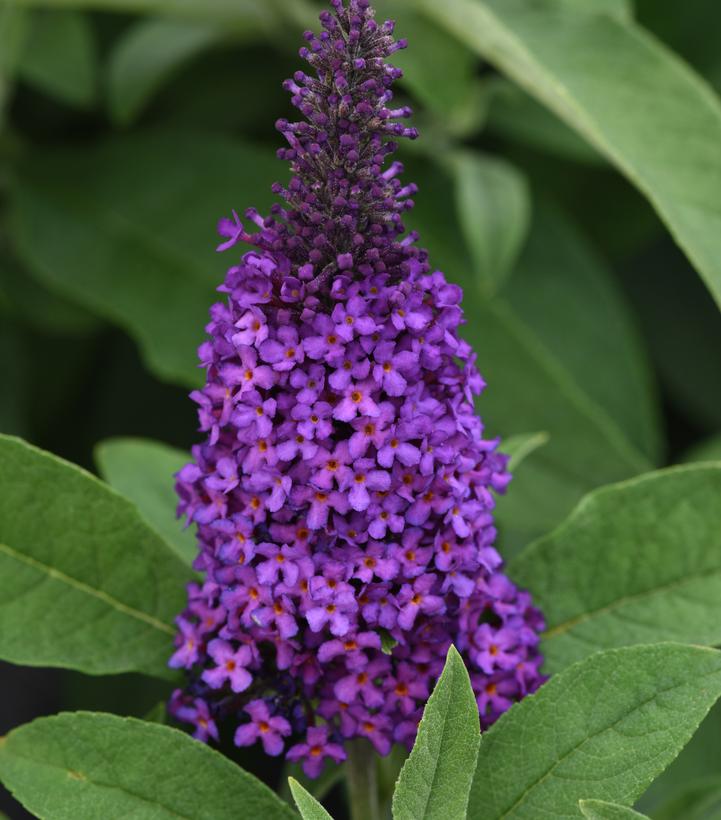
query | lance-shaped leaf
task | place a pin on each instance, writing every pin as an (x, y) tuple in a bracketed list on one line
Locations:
[(308, 806), (142, 470), (435, 780), (600, 810), (84, 765), (85, 583), (631, 98), (494, 209), (635, 563), (601, 730)]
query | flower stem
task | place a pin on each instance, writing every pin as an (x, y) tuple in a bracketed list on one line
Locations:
[(362, 778)]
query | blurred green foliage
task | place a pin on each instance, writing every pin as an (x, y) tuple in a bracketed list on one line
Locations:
[(563, 146)]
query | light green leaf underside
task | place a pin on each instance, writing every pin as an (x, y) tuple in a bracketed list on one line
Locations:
[(631, 98), (436, 778), (147, 252), (84, 766), (84, 582), (308, 806), (602, 729), (142, 470), (600, 810), (635, 563)]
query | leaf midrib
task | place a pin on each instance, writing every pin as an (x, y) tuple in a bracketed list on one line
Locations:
[(549, 772), (81, 586), (677, 583)]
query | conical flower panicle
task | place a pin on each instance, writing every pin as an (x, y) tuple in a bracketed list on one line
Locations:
[(344, 494)]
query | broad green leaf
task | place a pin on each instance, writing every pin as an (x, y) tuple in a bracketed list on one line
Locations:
[(436, 778), (85, 765), (146, 239), (632, 99), (520, 447), (635, 563), (143, 470), (602, 729), (709, 450), (308, 806), (147, 56), (59, 56), (600, 810), (493, 208), (85, 583), (534, 379), (697, 801)]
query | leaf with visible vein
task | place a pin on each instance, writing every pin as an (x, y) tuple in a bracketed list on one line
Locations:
[(602, 729), (635, 563), (600, 810), (308, 806), (85, 583), (436, 778), (85, 766), (630, 97)]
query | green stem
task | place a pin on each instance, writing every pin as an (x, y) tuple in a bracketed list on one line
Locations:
[(362, 777)]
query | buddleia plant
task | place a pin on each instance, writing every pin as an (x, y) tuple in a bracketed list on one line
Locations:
[(344, 492)]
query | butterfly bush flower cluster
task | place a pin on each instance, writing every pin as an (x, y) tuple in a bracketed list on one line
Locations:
[(344, 494)]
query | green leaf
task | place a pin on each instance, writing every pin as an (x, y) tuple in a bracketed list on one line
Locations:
[(635, 563), (632, 99), (493, 207), (84, 582), (709, 450), (520, 447), (600, 810), (146, 239), (142, 470), (85, 765), (435, 780), (147, 56), (698, 801), (308, 806), (59, 56), (602, 729)]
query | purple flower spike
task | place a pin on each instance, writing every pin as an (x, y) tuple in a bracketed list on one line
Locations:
[(344, 492)]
